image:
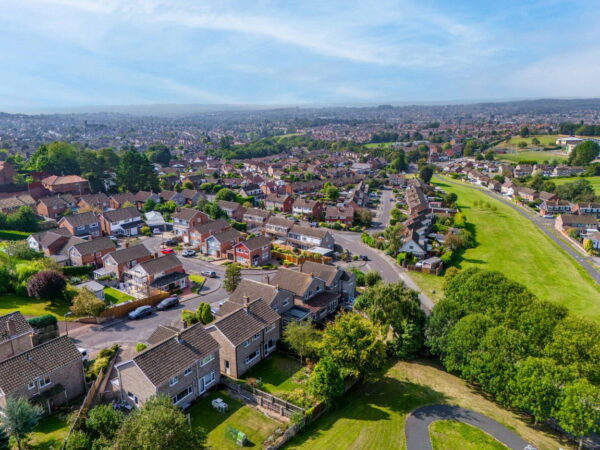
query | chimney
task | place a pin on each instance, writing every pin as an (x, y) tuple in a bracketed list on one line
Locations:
[(268, 278), (11, 327), (246, 301), (178, 338)]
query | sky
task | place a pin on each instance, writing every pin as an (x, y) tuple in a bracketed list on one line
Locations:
[(74, 53)]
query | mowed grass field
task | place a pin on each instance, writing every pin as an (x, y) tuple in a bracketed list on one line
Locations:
[(513, 245), (454, 434), (545, 140), (372, 416), (594, 180), (537, 156)]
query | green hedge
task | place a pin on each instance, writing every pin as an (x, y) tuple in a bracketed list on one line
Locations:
[(77, 271), (42, 321), (11, 235)]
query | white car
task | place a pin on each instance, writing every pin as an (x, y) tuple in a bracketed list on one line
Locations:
[(84, 353)]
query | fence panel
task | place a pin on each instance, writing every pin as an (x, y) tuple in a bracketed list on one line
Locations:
[(124, 308)]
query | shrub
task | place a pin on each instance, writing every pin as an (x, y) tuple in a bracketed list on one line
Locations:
[(47, 284), (447, 257), (101, 362), (42, 321), (140, 346), (86, 303), (77, 271), (189, 317)]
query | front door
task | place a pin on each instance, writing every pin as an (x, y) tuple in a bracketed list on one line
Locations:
[(227, 369), (201, 387)]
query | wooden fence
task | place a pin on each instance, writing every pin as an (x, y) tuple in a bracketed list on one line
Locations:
[(123, 309), (297, 259), (413, 268)]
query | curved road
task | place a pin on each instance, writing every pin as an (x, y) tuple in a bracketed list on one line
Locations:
[(583, 260), (418, 421)]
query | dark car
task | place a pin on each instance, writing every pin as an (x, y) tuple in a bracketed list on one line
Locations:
[(167, 303), (171, 242), (364, 257), (140, 312)]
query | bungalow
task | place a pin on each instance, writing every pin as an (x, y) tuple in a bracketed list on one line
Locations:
[(234, 210), (246, 336), (343, 215), (85, 224), (255, 251), (185, 219), (15, 335), (308, 237), (218, 244), (68, 184), (279, 202), (307, 208), (255, 217), (120, 261), (123, 222), (165, 273), (200, 233), (91, 252), (580, 223), (183, 366), (51, 374)]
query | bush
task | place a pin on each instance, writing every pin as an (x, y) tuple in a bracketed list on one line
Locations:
[(101, 362), (189, 317), (47, 284), (447, 257), (77, 271), (42, 321), (140, 346)]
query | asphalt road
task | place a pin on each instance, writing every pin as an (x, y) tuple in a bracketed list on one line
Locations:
[(543, 225), (418, 421)]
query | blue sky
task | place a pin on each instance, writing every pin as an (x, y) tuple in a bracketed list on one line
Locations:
[(69, 53)]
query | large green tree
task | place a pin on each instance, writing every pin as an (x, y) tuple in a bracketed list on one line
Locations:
[(303, 338), (104, 421), (233, 276), (584, 153), (579, 409), (326, 381), (59, 158), (135, 173), (20, 418)]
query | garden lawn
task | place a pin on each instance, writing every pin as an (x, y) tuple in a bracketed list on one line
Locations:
[(454, 434), (11, 235), (372, 416), (198, 279), (31, 306), (594, 180), (278, 374), (114, 296), (431, 285), (49, 433), (243, 418), (539, 156), (513, 245)]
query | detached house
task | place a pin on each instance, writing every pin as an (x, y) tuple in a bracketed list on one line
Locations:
[(165, 273), (255, 217), (255, 251), (91, 252), (218, 244), (185, 219), (15, 335), (246, 336), (82, 225), (200, 233), (307, 208), (54, 243), (51, 372), (120, 261), (122, 222), (183, 366)]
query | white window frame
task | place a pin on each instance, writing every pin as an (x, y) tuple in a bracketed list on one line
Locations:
[(31, 385), (173, 381), (211, 376), (247, 343), (44, 381), (248, 360), (188, 392), (187, 372), (256, 337), (207, 359)]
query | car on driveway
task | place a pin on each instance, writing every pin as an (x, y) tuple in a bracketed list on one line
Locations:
[(364, 258), (167, 251), (209, 273), (188, 253), (171, 242), (167, 303), (140, 312)]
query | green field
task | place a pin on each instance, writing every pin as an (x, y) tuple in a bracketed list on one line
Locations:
[(379, 144), (537, 156), (594, 180), (453, 434), (31, 306), (513, 245), (255, 424), (545, 140), (372, 416), (114, 296)]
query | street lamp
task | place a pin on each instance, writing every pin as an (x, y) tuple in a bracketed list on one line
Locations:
[(67, 323)]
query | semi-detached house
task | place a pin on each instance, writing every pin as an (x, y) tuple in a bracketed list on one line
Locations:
[(122, 222), (85, 224)]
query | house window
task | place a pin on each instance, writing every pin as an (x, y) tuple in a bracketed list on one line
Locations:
[(173, 381), (207, 359), (187, 371), (209, 378), (252, 356), (133, 397), (286, 302), (256, 337), (31, 385), (43, 382), (183, 394), (271, 328), (247, 343)]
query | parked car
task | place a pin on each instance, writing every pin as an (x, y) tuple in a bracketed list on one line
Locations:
[(209, 273), (140, 312), (167, 303), (188, 253), (156, 231), (171, 242), (167, 251), (364, 258), (84, 353)]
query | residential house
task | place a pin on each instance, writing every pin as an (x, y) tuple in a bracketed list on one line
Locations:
[(279, 202), (165, 273), (278, 227), (185, 219), (587, 209), (279, 299), (547, 196), (246, 336), (11, 204), (307, 208), (155, 221), (522, 170), (7, 173), (594, 238), (183, 366), (68, 184), (94, 202), (54, 243), (172, 196), (555, 207), (82, 225), (143, 196), (218, 244), (191, 196), (526, 193), (309, 237), (122, 222), (255, 217), (52, 207), (414, 244), (508, 188), (581, 223), (51, 372), (15, 335), (91, 252), (252, 190), (234, 210), (336, 280), (200, 233), (120, 261), (118, 201), (339, 214), (255, 251)]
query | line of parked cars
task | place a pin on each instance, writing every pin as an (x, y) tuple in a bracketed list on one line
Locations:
[(146, 310)]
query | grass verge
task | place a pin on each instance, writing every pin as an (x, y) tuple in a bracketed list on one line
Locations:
[(454, 434)]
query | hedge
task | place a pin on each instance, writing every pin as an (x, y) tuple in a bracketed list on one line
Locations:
[(77, 271), (12, 235), (42, 321)]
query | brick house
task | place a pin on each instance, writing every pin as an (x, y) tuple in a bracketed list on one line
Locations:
[(555, 207), (98, 202), (53, 369), (117, 201), (587, 209), (307, 208), (255, 217), (120, 261), (580, 223), (183, 366), (200, 233), (68, 184), (279, 202), (191, 196), (122, 222), (12, 204), (7, 173), (246, 335), (279, 299), (173, 196), (185, 219), (255, 251), (343, 215), (56, 205), (165, 273), (82, 225), (143, 196), (219, 244), (15, 335), (91, 252), (336, 280), (54, 243), (234, 210)]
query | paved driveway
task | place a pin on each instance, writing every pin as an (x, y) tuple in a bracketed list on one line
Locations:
[(418, 421)]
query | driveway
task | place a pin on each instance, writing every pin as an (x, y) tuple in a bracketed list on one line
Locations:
[(418, 421)]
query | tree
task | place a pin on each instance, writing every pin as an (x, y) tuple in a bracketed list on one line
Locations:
[(233, 276), (47, 284), (158, 425), (4, 440), (332, 193), (105, 421), (354, 343), (584, 153), (159, 154), (135, 173), (524, 132), (426, 173), (579, 409), (489, 155), (363, 216), (588, 246), (372, 277), (85, 303), (78, 440), (60, 158), (225, 194), (204, 313), (326, 381), (302, 338), (20, 418)]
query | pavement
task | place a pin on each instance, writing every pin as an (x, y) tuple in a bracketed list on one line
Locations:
[(418, 421), (545, 225)]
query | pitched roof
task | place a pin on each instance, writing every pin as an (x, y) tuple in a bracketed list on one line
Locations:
[(161, 333), (227, 236), (21, 325), (297, 282), (117, 215), (176, 353), (324, 272), (256, 242), (224, 204), (245, 322), (92, 199), (213, 225), (187, 214), (161, 264), (56, 180), (310, 231), (22, 369), (254, 290), (279, 221), (81, 220), (95, 245), (257, 212), (130, 253), (571, 218)]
